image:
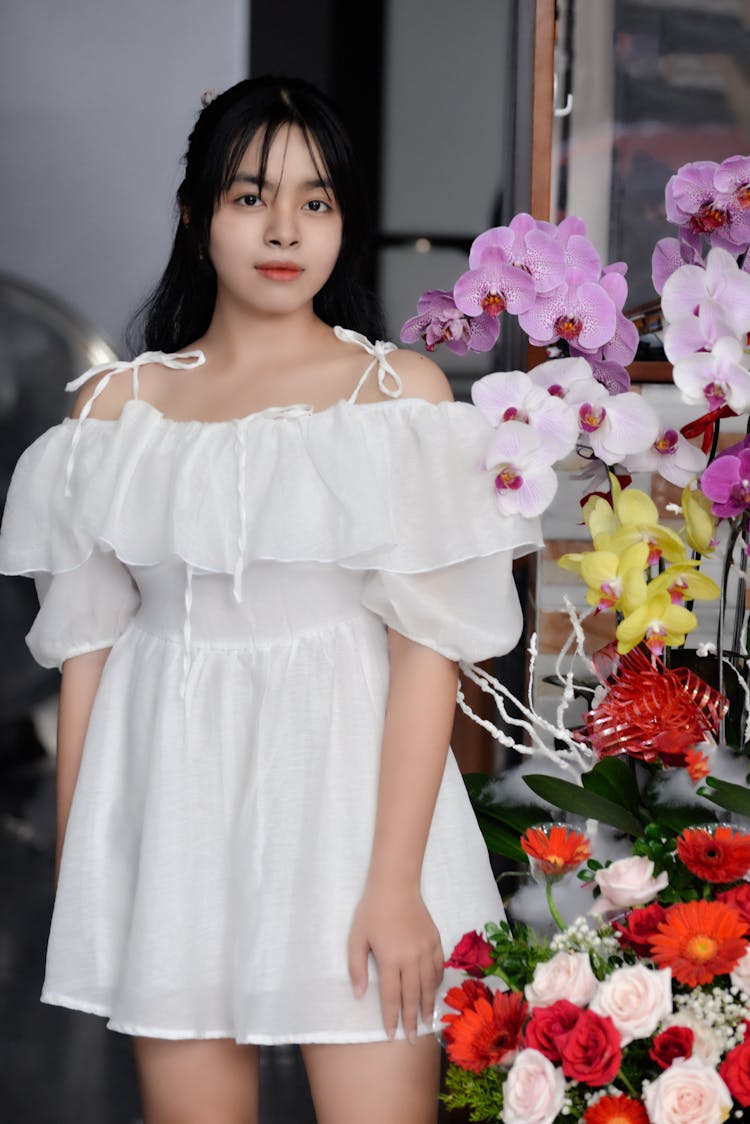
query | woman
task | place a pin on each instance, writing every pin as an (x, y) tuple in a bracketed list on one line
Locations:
[(262, 549)]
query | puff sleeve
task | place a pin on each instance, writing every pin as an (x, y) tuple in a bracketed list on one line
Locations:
[(447, 582), (81, 610)]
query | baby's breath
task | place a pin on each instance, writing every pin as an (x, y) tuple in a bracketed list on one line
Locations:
[(723, 1010)]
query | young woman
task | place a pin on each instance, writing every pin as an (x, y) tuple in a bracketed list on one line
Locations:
[(262, 548)]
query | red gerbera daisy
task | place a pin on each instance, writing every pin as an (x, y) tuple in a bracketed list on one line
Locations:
[(616, 1110), (716, 854), (488, 1032), (699, 940), (555, 850), (697, 764)]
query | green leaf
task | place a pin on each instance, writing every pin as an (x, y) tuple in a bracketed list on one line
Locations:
[(613, 779), (732, 797), (580, 801), (676, 817), (500, 840)]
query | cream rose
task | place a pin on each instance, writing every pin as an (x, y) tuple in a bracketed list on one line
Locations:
[(567, 975), (534, 1090), (689, 1092), (636, 999), (628, 882), (740, 977)]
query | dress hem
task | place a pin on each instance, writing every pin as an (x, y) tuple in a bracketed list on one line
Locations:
[(302, 1038)]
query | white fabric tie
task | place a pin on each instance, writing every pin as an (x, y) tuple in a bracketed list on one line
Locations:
[(182, 361), (379, 350)]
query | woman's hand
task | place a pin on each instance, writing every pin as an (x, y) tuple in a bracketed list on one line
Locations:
[(394, 923)]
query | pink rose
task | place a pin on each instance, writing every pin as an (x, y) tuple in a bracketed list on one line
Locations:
[(628, 882), (740, 977), (636, 998), (689, 1092), (567, 975), (534, 1090)]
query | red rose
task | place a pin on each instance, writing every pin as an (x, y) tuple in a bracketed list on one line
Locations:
[(735, 1072), (674, 1042), (640, 925), (739, 899), (472, 953), (591, 1052), (549, 1026)]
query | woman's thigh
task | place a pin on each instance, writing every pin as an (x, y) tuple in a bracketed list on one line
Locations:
[(193, 1081), (373, 1082)]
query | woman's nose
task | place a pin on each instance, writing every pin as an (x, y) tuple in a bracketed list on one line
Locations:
[(281, 228)]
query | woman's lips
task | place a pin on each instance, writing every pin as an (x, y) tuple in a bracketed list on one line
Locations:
[(279, 271)]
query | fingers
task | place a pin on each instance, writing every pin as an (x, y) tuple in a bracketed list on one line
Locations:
[(358, 952), (432, 974), (410, 990), (390, 996)]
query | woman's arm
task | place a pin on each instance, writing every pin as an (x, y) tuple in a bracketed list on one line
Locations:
[(80, 680), (391, 918)]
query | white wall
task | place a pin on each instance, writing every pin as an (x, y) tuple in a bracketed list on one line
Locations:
[(97, 98)]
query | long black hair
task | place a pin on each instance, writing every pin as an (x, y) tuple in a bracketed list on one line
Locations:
[(179, 309)]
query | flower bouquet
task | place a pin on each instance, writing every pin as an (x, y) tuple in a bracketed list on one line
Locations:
[(643, 1018), (657, 762)]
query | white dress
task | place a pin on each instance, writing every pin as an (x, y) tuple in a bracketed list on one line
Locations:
[(243, 573)]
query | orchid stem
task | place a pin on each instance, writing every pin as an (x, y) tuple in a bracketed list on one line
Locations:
[(553, 910)]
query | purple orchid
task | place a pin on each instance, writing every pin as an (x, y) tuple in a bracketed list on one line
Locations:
[(715, 378), (671, 253), (525, 484), (511, 396), (525, 246), (494, 286), (726, 482), (694, 199), (580, 311), (612, 376), (439, 321), (732, 177), (672, 456)]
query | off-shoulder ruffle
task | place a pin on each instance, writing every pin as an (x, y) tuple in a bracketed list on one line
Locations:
[(397, 486)]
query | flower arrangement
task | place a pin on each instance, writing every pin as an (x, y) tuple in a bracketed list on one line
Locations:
[(644, 1018), (638, 1011)]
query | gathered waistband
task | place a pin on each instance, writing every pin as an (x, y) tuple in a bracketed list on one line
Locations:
[(280, 602)]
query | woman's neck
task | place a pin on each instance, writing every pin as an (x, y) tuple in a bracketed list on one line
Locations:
[(236, 337)]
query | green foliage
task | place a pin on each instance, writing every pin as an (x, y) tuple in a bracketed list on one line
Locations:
[(732, 797), (481, 1093), (515, 953), (501, 823), (584, 802)]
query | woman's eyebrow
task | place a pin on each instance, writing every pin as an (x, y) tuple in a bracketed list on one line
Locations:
[(308, 185)]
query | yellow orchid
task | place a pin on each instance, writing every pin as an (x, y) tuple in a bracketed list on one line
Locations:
[(700, 524), (639, 522), (600, 520), (658, 621), (684, 582), (608, 575)]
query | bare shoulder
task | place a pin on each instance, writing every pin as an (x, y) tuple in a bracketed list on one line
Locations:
[(420, 376), (109, 403)]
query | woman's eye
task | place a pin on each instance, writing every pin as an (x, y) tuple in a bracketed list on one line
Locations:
[(249, 200), (317, 206)]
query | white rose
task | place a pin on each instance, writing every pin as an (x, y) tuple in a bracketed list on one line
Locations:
[(636, 999), (628, 882), (567, 975), (740, 977), (706, 1042), (689, 1092), (534, 1090)]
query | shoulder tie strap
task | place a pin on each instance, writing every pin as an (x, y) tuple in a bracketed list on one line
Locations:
[(179, 361), (379, 350)]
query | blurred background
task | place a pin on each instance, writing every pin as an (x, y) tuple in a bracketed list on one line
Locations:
[(463, 114)]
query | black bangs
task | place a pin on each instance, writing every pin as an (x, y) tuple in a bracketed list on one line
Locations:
[(180, 308)]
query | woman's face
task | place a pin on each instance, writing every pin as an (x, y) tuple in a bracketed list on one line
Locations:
[(274, 249)]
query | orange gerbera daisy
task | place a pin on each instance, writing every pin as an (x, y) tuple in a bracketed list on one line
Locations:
[(555, 850), (616, 1110), (488, 1032), (697, 764), (699, 940), (716, 854)]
